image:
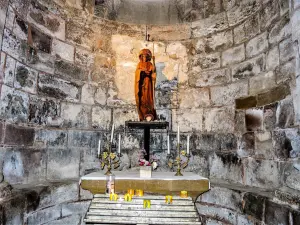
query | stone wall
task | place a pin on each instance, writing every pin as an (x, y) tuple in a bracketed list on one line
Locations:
[(229, 78)]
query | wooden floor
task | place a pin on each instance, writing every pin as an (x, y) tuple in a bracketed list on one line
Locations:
[(104, 211)]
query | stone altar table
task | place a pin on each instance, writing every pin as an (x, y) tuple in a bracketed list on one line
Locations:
[(164, 183)]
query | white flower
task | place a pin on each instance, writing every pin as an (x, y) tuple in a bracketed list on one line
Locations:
[(154, 165)]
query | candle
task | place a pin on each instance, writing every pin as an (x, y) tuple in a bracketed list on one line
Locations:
[(99, 144), (178, 137), (112, 133), (119, 147), (168, 141), (188, 145)]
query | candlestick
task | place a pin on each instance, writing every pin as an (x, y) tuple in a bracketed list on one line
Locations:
[(99, 144), (112, 133), (119, 147), (188, 145), (168, 141), (178, 137)]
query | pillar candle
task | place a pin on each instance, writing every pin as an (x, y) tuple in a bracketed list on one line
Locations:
[(188, 145), (112, 133), (119, 149), (99, 146), (168, 141), (178, 137)]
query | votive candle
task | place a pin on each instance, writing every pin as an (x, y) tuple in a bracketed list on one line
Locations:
[(99, 146), (188, 145), (112, 133), (119, 147), (168, 141)]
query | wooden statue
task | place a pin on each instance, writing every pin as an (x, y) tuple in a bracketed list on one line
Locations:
[(145, 78)]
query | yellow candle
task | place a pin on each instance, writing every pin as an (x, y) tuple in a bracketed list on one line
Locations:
[(169, 199), (139, 192), (130, 191), (128, 197), (183, 194), (113, 197)]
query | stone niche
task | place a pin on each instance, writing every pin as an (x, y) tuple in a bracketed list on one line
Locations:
[(227, 74)]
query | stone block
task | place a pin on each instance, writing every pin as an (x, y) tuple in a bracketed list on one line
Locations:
[(87, 94), (63, 50), (44, 215), (286, 50), (75, 115), (243, 11), (55, 195), (75, 208), (52, 138), (165, 98), (41, 40), (261, 83), (209, 25), (164, 114), (100, 96), (8, 65), (290, 179), (63, 164), (210, 61), (89, 161), (101, 117), (233, 55), (25, 166), (280, 30), (193, 97), (12, 46), (254, 119), (20, 29), (254, 205), (257, 45), (219, 120), (285, 113), (261, 173), (21, 7), (269, 14), (295, 217), (85, 194), (273, 95), (218, 42), (222, 197), (48, 23), (245, 220), (276, 214), (226, 167), (13, 211), (249, 68), (3, 10), (190, 120), (70, 71), (43, 62), (122, 115), (213, 222), (240, 122), (246, 146), (246, 30), (83, 139), (74, 219), (264, 145), (14, 104), (270, 117), (16, 135), (200, 78), (226, 95), (272, 58), (25, 78), (284, 6), (84, 57), (51, 86), (285, 72), (10, 18), (246, 102), (223, 214)]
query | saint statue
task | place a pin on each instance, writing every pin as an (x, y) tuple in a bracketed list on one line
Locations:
[(145, 78)]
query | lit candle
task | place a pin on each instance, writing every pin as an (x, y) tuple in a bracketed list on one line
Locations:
[(178, 137), (99, 144), (168, 141), (188, 145), (112, 133), (119, 149)]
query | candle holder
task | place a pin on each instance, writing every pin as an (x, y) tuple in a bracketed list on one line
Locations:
[(177, 162), (110, 159)]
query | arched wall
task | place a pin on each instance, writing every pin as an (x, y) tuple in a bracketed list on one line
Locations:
[(228, 79)]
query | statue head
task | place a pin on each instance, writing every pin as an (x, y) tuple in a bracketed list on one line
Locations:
[(145, 54)]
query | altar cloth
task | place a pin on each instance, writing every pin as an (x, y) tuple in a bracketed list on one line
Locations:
[(160, 183)]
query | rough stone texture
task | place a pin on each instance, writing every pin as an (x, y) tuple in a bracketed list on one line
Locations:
[(276, 214), (270, 116), (25, 78), (101, 117), (285, 72), (249, 68), (246, 145), (257, 45), (87, 94), (70, 71), (227, 94), (11, 45), (63, 164), (280, 31), (14, 104), (51, 138), (210, 61), (187, 120), (286, 50), (82, 139), (261, 83), (219, 120), (63, 50), (84, 57), (264, 145), (122, 115), (246, 30), (233, 55), (290, 177), (45, 215), (285, 113), (201, 78), (3, 9), (246, 102), (273, 95), (272, 60), (74, 219), (262, 173), (223, 214), (18, 135), (254, 205), (269, 13), (51, 86), (75, 208), (254, 119), (75, 115), (8, 65), (193, 98)]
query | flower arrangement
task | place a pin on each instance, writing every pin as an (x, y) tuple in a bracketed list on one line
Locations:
[(143, 162)]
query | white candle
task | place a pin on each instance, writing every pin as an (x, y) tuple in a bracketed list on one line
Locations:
[(112, 133), (99, 144), (178, 137), (168, 141), (119, 149), (188, 145)]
